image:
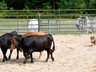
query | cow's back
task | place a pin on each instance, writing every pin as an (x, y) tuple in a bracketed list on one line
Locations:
[(33, 33), (6, 39)]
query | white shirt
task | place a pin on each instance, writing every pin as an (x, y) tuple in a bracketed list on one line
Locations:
[(78, 21)]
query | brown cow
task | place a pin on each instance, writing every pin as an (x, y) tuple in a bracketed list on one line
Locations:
[(25, 35), (93, 40)]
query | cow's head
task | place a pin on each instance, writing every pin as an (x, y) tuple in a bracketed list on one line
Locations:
[(15, 41), (93, 40)]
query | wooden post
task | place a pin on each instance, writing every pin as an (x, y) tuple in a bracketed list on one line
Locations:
[(59, 22), (17, 24), (27, 23), (38, 22)]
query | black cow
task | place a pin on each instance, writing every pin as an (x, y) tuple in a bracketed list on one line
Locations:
[(37, 43), (14, 44), (14, 33), (5, 41)]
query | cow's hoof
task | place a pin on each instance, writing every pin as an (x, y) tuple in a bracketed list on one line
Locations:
[(24, 62), (46, 60), (32, 62), (53, 59), (17, 58), (3, 60)]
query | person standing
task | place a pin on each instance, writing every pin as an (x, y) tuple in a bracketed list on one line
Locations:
[(78, 22), (33, 25), (94, 25), (87, 25)]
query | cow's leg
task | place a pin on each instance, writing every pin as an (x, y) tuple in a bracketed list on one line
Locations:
[(17, 54), (10, 54), (30, 51), (25, 61), (4, 54), (51, 55), (47, 55), (26, 57), (31, 58), (40, 55)]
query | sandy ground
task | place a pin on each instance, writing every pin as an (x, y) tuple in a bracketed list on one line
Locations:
[(73, 54)]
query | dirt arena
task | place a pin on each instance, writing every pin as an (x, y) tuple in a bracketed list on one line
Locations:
[(73, 53)]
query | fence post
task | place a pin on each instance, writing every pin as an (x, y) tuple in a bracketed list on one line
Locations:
[(48, 25), (38, 22), (17, 24), (27, 23), (59, 22)]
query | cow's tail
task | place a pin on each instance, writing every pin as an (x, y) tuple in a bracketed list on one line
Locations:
[(53, 49), (51, 37)]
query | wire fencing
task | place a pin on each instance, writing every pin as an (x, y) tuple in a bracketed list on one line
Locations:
[(56, 22)]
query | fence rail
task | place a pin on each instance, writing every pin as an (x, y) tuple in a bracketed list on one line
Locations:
[(51, 21)]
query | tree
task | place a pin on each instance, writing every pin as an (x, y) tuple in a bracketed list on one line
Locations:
[(92, 4), (15, 4), (37, 4), (71, 4), (3, 5), (49, 4)]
